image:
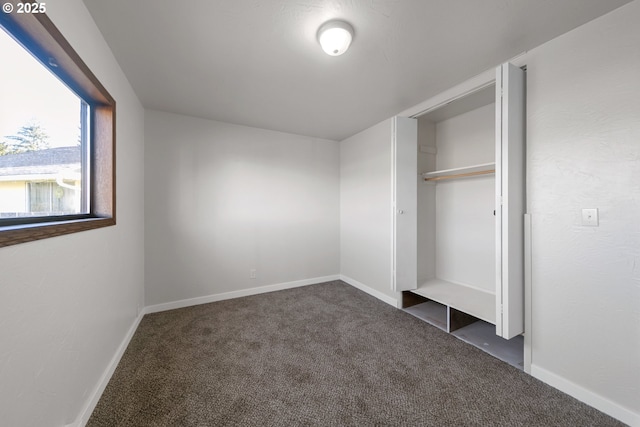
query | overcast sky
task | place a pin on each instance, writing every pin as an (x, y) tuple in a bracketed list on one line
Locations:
[(30, 93)]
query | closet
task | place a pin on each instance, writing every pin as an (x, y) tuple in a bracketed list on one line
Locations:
[(459, 201)]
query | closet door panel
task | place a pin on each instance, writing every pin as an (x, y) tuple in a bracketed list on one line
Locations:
[(510, 200), (405, 204)]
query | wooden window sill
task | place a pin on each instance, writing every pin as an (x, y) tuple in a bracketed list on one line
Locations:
[(15, 234)]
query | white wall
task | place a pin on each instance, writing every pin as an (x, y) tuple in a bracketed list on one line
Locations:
[(456, 225), (584, 152), (426, 221), (66, 303), (223, 199), (365, 210), (465, 224)]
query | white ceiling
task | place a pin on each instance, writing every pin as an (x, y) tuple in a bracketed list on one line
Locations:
[(257, 62)]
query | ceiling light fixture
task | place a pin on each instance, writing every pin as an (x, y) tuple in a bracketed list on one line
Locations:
[(335, 37)]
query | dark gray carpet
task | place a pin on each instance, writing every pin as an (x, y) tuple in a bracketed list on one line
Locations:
[(320, 355)]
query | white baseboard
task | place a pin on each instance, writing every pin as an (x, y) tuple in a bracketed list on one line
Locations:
[(590, 398), (90, 405), (373, 292), (236, 294)]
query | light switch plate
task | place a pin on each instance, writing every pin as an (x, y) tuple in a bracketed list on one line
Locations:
[(590, 217)]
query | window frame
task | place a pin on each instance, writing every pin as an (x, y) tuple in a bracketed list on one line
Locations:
[(38, 35)]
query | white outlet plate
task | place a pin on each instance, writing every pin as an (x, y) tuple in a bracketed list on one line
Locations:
[(252, 273), (590, 217)]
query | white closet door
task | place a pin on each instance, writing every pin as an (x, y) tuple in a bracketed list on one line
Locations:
[(405, 204), (510, 203)]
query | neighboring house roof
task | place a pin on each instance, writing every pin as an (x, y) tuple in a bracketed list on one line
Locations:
[(41, 162)]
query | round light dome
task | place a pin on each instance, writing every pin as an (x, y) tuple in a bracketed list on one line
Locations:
[(335, 37)]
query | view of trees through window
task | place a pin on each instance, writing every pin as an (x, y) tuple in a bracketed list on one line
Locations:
[(43, 139)]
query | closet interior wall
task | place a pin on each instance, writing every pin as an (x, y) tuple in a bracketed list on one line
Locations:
[(456, 225)]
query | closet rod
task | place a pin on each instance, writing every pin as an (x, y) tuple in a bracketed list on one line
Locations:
[(459, 175)]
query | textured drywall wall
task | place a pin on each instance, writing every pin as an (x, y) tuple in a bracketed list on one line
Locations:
[(365, 208), (583, 135), (66, 303), (465, 223), (222, 200)]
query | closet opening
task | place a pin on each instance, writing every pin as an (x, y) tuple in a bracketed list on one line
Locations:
[(460, 230)]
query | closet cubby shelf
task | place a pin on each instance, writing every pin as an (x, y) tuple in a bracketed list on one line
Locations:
[(473, 301), (465, 172)]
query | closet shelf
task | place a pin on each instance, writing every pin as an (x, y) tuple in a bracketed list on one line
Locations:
[(473, 301), (468, 171)]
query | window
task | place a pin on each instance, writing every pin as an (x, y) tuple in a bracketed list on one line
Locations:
[(57, 134), (49, 198)]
